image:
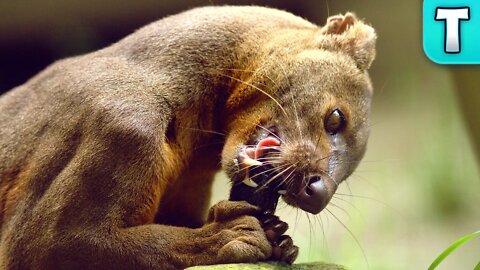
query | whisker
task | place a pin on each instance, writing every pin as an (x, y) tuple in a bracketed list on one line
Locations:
[(207, 131), (252, 71), (328, 8), (273, 178), (341, 161), (344, 200), (269, 170), (254, 145), (270, 158), (207, 144), (271, 133), (296, 221), (341, 209), (332, 179), (353, 236), (286, 178), (266, 129), (297, 122), (258, 89), (366, 198), (348, 186), (324, 242), (350, 204), (304, 182), (323, 158), (265, 163), (310, 234)]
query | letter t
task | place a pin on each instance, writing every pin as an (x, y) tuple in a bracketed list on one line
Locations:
[(452, 17)]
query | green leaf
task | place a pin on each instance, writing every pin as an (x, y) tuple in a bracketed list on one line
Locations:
[(477, 267), (452, 248)]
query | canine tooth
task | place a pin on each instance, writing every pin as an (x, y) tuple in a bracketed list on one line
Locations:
[(247, 181), (282, 192), (250, 151), (251, 162)]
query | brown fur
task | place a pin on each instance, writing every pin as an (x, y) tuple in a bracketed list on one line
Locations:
[(100, 154)]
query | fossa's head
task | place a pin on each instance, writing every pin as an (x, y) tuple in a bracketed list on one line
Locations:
[(299, 117)]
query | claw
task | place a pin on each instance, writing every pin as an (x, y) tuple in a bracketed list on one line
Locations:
[(247, 181)]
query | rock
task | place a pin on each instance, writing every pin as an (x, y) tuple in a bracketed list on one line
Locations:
[(271, 266)]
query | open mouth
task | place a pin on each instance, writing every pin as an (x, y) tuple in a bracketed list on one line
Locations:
[(259, 163), (265, 178), (260, 182)]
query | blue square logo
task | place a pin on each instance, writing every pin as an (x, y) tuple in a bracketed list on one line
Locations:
[(451, 31)]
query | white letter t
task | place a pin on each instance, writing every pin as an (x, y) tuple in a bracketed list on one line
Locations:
[(452, 17)]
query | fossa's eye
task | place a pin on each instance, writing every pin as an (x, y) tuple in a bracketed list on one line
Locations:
[(335, 122)]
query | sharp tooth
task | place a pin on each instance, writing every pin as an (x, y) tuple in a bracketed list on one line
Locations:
[(251, 162), (282, 192), (247, 181)]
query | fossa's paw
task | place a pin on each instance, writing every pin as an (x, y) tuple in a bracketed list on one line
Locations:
[(241, 233), (236, 234), (229, 210), (283, 248), (338, 24)]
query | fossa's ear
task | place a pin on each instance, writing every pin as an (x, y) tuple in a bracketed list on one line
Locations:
[(347, 34)]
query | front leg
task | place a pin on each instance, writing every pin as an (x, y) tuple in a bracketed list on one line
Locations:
[(231, 235), (186, 201), (97, 214)]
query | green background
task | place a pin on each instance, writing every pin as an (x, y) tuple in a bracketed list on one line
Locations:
[(417, 189)]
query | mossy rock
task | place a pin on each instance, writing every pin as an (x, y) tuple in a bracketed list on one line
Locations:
[(271, 266)]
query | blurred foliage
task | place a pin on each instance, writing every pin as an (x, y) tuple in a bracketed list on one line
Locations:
[(467, 79), (416, 190), (454, 247)]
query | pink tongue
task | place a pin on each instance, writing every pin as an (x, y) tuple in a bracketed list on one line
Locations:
[(264, 145)]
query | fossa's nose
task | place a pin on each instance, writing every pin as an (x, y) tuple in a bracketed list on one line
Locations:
[(314, 196)]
